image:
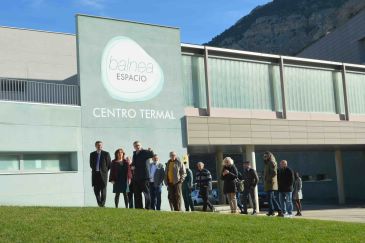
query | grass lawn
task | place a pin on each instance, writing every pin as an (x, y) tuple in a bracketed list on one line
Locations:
[(43, 224)]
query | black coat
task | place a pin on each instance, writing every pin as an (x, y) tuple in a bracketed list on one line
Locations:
[(141, 165), (250, 178), (285, 180), (104, 164), (229, 184)]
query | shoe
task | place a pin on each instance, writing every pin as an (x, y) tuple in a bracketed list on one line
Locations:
[(254, 213), (298, 214), (270, 214), (243, 212), (280, 214), (288, 215)]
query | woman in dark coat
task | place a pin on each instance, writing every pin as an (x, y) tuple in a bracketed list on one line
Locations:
[(120, 177), (229, 175)]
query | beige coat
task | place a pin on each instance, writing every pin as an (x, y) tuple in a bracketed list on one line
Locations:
[(270, 176), (179, 171)]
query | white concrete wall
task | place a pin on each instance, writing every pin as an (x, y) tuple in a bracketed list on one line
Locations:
[(30, 54)]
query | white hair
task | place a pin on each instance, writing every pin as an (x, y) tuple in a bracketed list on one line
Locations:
[(229, 160)]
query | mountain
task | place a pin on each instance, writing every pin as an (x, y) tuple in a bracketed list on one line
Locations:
[(287, 26)]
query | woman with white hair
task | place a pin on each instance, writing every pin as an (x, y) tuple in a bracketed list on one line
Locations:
[(229, 176)]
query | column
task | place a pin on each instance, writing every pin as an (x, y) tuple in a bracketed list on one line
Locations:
[(250, 156), (339, 176), (219, 166)]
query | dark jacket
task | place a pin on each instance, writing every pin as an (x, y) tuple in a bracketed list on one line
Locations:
[(119, 174), (104, 166), (229, 185), (188, 182), (159, 176), (250, 178), (285, 180), (141, 165), (203, 178)]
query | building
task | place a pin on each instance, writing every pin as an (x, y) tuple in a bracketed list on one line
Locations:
[(344, 44), (120, 81)]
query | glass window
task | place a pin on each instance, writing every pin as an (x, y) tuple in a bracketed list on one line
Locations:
[(47, 162), (9, 163)]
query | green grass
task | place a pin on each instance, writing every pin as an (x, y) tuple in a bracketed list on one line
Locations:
[(42, 224)]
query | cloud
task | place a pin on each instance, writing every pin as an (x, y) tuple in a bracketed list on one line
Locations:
[(95, 4)]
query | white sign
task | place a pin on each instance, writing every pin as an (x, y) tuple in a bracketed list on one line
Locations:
[(128, 72)]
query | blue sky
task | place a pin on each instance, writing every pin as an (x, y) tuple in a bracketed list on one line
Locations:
[(199, 21)]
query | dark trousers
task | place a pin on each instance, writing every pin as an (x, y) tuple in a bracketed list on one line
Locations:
[(155, 196), (174, 195), (249, 192), (100, 190), (128, 199), (140, 187), (239, 203), (273, 203), (188, 201), (204, 193)]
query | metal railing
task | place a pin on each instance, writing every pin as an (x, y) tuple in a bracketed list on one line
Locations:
[(39, 92)]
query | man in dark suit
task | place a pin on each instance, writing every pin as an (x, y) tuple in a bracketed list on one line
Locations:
[(141, 175), (100, 165)]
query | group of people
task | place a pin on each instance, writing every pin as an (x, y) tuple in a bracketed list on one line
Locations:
[(137, 175), (282, 186)]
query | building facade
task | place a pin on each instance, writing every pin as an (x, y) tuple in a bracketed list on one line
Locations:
[(120, 81)]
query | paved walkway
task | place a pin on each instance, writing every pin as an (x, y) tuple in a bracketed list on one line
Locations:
[(348, 214), (321, 212)]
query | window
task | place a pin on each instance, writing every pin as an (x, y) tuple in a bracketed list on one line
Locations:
[(362, 50), (38, 162), (9, 163)]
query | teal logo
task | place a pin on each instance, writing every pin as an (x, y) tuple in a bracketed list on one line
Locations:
[(128, 72)]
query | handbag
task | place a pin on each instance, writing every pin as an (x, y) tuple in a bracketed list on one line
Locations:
[(240, 185)]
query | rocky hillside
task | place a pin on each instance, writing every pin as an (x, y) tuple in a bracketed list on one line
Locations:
[(287, 26)]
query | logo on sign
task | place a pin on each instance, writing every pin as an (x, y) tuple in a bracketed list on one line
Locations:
[(128, 72)]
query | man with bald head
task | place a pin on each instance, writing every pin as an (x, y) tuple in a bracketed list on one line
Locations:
[(174, 176), (285, 181), (203, 180)]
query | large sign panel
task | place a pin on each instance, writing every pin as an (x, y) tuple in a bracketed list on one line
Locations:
[(130, 79)]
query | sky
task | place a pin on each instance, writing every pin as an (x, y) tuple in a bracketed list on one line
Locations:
[(199, 21)]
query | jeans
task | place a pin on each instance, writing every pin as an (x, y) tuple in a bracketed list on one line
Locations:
[(286, 203), (239, 200), (188, 201), (249, 192), (273, 203), (204, 193), (155, 196)]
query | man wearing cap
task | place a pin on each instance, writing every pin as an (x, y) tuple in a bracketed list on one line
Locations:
[(251, 179)]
